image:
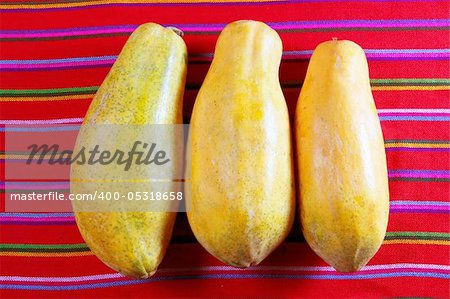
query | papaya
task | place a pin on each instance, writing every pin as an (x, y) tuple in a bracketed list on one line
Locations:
[(144, 86), (240, 161), (342, 172)]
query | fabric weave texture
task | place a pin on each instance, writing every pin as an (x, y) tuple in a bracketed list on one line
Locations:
[(54, 55)]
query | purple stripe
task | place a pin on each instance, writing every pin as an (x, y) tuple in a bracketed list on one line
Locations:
[(419, 209), (240, 273), (413, 114), (219, 276), (32, 68), (409, 58), (203, 4), (419, 174), (108, 282), (71, 220), (57, 65), (416, 149), (65, 32), (36, 222), (350, 24), (375, 56), (405, 54)]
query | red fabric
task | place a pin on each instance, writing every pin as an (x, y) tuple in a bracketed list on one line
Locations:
[(185, 252)]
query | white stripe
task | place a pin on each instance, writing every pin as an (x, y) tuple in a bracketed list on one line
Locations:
[(224, 269)]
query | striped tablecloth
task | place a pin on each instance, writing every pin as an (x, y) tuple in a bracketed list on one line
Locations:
[(55, 54)]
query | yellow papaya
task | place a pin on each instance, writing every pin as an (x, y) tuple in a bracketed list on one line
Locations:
[(240, 161), (144, 86), (344, 196)]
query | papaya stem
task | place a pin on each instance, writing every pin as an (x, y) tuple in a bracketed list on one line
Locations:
[(176, 30)]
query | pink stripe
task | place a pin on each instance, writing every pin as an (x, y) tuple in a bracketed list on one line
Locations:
[(68, 33), (56, 65), (352, 24), (413, 114), (41, 121), (418, 175), (415, 207), (422, 54), (45, 219)]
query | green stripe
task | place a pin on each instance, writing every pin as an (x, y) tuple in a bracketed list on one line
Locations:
[(39, 247), (47, 92), (389, 141), (417, 236), (83, 247), (410, 81), (92, 89), (49, 250)]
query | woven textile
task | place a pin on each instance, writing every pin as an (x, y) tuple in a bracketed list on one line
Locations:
[(55, 54)]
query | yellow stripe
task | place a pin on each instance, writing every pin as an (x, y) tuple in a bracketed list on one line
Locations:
[(14, 156), (438, 87), (46, 254), (89, 3), (425, 242), (418, 145), (54, 98)]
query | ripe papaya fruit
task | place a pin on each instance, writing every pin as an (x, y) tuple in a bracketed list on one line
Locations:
[(144, 86), (240, 161), (344, 196)]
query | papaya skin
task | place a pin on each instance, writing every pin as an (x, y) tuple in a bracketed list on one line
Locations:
[(344, 196), (240, 160), (144, 86)]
